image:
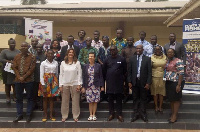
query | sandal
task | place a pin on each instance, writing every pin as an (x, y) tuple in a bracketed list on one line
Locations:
[(64, 119), (156, 111), (44, 119), (76, 120), (52, 118), (94, 118), (90, 118), (161, 111)]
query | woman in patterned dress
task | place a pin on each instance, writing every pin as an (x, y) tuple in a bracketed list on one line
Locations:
[(48, 83), (174, 76), (92, 81), (7, 55)]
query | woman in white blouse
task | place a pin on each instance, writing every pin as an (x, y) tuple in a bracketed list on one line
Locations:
[(48, 83), (70, 81)]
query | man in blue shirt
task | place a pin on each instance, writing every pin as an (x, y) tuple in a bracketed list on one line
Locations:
[(142, 40)]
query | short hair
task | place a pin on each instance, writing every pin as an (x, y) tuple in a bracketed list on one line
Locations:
[(83, 31), (96, 31), (49, 50), (131, 37), (92, 53), (172, 50), (59, 32), (106, 37), (154, 36), (143, 32), (119, 29), (173, 34), (70, 36), (51, 46), (11, 39)]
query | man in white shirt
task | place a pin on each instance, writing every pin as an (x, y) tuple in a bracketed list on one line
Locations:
[(96, 42)]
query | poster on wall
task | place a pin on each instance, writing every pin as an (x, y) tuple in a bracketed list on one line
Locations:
[(191, 40), (40, 29)]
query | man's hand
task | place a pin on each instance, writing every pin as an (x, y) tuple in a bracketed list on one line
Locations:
[(102, 88), (21, 79), (130, 85), (147, 86)]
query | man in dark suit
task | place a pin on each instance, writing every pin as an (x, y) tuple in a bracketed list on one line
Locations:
[(70, 40), (178, 47), (115, 69), (139, 80)]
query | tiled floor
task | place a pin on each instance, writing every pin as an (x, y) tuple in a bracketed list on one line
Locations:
[(89, 130)]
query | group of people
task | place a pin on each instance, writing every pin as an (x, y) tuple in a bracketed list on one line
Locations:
[(95, 70)]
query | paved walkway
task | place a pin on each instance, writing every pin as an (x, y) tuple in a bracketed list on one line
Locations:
[(89, 130)]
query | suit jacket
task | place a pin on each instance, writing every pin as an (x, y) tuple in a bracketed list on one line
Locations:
[(98, 76), (64, 51), (145, 71), (179, 51)]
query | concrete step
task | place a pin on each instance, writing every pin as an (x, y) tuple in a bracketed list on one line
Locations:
[(103, 123), (183, 114)]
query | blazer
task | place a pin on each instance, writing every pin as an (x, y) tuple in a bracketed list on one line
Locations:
[(145, 71), (64, 51), (98, 76), (179, 51)]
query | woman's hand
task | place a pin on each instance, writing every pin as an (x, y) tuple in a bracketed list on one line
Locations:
[(102, 88), (44, 89), (83, 90), (178, 88), (78, 88), (61, 89)]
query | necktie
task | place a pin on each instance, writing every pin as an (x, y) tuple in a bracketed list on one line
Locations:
[(138, 62)]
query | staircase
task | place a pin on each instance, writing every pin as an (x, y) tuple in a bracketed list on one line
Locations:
[(188, 117)]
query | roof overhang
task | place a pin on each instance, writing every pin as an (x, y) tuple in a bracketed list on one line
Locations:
[(96, 12), (188, 11)]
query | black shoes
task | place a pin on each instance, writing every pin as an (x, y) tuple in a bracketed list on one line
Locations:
[(28, 119), (18, 118), (134, 118), (144, 118), (111, 117), (125, 100), (120, 118)]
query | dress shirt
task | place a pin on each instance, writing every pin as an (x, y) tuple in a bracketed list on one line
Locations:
[(148, 50), (70, 74), (97, 45), (63, 43), (144, 43), (47, 67), (173, 45), (140, 60)]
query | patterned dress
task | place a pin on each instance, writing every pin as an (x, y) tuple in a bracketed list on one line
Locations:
[(92, 92)]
